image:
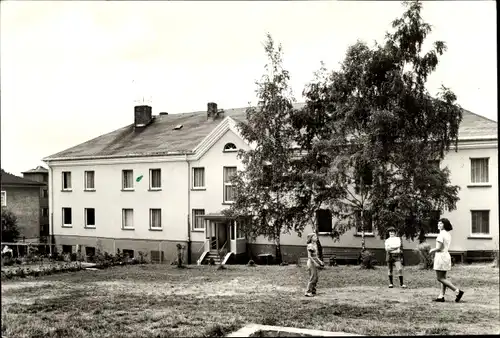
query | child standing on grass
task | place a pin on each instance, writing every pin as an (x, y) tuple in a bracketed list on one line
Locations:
[(394, 256), (442, 260), (313, 263)]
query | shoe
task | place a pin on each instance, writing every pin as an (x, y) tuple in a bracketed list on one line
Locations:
[(314, 292), (391, 286), (439, 300), (308, 294), (403, 286), (459, 296)]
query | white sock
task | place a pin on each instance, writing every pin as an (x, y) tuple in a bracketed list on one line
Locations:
[(457, 291)]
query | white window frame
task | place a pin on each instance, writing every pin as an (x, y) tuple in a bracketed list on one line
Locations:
[(195, 217), (480, 234), (86, 220), (235, 149), (69, 225), (369, 233), (123, 179), (124, 212), (4, 198), (227, 184), (487, 183), (62, 181), (194, 187), (86, 188), (151, 179), (151, 227)]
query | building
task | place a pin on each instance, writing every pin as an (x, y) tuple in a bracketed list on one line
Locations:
[(23, 197), (164, 180), (41, 174)]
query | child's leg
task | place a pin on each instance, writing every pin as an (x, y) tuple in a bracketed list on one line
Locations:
[(441, 277), (309, 284), (389, 271), (315, 280), (399, 269)]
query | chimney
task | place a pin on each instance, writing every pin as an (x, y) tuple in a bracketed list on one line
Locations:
[(142, 116), (211, 109)]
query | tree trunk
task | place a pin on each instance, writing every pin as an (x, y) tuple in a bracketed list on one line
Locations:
[(320, 249), (363, 247), (278, 250)]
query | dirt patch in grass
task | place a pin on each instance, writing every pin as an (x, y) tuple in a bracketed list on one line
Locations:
[(162, 301)]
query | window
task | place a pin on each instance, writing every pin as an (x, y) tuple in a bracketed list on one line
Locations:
[(155, 218), (239, 230), (90, 217), (432, 220), (480, 222), (198, 223), (66, 215), (479, 170), (229, 189), (89, 180), (127, 218), (229, 147), (128, 253), (364, 172), (368, 222), (45, 212), (198, 177), (324, 220), (127, 179), (154, 179), (90, 251), (45, 193), (67, 249), (4, 198), (66, 180)]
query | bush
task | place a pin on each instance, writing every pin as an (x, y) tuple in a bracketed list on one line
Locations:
[(496, 259), (368, 260), (426, 259)]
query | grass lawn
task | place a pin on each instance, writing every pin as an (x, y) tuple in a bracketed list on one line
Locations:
[(163, 301)]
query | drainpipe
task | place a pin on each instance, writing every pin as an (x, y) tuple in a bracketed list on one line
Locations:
[(188, 211), (51, 208)]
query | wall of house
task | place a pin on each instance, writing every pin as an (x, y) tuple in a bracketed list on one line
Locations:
[(471, 198), (211, 198), (24, 202), (108, 199)]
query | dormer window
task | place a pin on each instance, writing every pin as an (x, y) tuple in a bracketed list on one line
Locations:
[(229, 147)]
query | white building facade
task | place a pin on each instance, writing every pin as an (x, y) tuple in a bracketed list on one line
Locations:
[(164, 181)]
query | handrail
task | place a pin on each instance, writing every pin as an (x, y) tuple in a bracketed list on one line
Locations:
[(222, 248), (203, 246)]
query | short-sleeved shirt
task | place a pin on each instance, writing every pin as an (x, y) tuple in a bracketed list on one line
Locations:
[(442, 259)]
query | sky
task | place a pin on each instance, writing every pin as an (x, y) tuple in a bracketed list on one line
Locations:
[(73, 70)]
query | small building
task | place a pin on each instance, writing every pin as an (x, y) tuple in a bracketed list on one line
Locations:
[(41, 174), (164, 180), (23, 197)]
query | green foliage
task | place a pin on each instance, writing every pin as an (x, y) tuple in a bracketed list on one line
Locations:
[(10, 232), (426, 258), (370, 130), (263, 193)]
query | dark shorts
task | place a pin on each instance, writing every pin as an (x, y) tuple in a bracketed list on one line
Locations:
[(392, 258)]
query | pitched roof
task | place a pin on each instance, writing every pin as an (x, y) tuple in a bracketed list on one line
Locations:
[(38, 169), (160, 138), (10, 179)]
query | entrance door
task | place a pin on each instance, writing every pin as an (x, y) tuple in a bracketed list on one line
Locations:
[(221, 235)]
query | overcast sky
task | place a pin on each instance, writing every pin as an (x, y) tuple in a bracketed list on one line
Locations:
[(71, 70)]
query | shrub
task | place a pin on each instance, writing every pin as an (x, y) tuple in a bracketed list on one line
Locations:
[(368, 260), (496, 260), (426, 259)]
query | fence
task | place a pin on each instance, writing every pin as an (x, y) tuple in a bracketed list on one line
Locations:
[(158, 252)]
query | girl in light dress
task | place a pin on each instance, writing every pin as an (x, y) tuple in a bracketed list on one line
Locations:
[(442, 260)]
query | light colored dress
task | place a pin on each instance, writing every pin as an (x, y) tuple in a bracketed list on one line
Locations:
[(442, 259)]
